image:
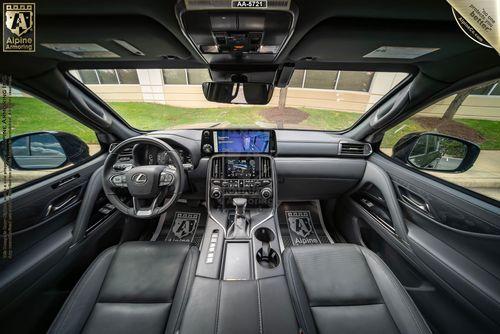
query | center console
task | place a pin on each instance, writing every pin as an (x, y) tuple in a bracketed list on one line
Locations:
[(241, 202), (240, 257)]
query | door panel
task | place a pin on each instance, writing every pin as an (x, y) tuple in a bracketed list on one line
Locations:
[(44, 217), (449, 238), (43, 208)]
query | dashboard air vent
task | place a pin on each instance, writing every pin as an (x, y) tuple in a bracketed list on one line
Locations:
[(126, 154), (265, 168), (217, 168), (355, 149)]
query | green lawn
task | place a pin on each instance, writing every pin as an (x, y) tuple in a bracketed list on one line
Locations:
[(152, 116), (29, 115), (32, 115)]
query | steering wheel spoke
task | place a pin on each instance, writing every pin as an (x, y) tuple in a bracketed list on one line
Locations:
[(144, 210)]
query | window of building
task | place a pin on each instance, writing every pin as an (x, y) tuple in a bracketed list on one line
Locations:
[(354, 80), (197, 76), (128, 77), (107, 77), (174, 77), (297, 79), (320, 79), (88, 77)]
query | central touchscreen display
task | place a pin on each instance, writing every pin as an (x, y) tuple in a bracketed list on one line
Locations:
[(240, 168), (242, 141)]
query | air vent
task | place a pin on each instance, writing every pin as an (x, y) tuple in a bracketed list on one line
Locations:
[(126, 154), (265, 168), (355, 149), (217, 168)]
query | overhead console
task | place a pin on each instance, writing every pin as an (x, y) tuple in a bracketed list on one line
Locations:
[(238, 142), (227, 30)]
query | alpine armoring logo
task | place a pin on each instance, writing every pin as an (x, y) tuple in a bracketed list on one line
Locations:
[(19, 27)]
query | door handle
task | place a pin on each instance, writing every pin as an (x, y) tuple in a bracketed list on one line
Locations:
[(53, 208), (414, 200)]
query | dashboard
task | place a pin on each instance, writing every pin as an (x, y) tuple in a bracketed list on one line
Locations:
[(309, 164)]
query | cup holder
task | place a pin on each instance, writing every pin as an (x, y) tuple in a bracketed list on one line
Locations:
[(266, 256), (272, 260), (264, 234)]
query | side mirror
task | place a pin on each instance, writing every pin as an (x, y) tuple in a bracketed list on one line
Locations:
[(436, 152), (44, 150), (238, 93)]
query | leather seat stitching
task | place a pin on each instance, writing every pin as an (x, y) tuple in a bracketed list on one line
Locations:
[(78, 291), (260, 307), (184, 299), (218, 307), (405, 297), (292, 276)]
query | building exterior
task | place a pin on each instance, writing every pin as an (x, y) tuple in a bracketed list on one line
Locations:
[(349, 91)]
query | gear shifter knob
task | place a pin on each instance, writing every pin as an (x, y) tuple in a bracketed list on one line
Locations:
[(240, 205)]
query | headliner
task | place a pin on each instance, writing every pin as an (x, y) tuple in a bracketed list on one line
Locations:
[(334, 33)]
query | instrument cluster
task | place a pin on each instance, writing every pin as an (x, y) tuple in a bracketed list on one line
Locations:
[(153, 155)]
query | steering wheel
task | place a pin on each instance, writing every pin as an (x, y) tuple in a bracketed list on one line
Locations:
[(148, 185)]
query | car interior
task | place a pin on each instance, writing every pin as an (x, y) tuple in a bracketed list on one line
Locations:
[(231, 228)]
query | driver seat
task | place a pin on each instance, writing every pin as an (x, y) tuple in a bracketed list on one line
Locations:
[(136, 287)]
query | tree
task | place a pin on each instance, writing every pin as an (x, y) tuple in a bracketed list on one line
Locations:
[(455, 104), (282, 98)]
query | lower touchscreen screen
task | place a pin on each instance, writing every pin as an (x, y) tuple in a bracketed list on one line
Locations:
[(237, 141)]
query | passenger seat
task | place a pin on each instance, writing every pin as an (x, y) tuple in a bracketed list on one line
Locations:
[(345, 288)]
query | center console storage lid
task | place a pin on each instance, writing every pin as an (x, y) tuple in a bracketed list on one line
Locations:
[(228, 307)]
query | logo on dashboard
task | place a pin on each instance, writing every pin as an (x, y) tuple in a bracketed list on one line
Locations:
[(140, 178)]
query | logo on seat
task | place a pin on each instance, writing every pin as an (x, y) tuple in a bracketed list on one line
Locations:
[(140, 178)]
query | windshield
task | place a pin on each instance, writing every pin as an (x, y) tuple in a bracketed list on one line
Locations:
[(157, 99)]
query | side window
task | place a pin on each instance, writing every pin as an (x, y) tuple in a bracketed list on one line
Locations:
[(44, 140), (471, 115)]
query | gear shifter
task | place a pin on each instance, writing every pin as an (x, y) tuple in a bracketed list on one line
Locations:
[(239, 229)]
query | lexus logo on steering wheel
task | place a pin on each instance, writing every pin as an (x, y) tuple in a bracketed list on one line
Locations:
[(140, 178)]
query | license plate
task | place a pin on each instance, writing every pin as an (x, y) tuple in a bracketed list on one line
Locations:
[(249, 4)]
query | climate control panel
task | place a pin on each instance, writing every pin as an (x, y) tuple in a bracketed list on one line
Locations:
[(243, 188), (248, 176)]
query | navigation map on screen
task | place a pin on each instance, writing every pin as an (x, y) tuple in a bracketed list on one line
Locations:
[(237, 141)]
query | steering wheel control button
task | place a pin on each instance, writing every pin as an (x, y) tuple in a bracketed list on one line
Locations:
[(119, 181), (166, 178)]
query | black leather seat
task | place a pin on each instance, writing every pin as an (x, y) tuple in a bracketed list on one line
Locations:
[(348, 289), (138, 287)]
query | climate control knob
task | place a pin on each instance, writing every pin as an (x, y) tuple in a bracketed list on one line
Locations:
[(216, 193), (266, 193)]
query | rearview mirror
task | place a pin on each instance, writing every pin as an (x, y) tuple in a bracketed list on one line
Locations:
[(44, 150), (238, 93), (436, 152)]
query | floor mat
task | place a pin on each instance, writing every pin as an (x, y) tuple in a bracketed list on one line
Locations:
[(301, 224), (182, 223)]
